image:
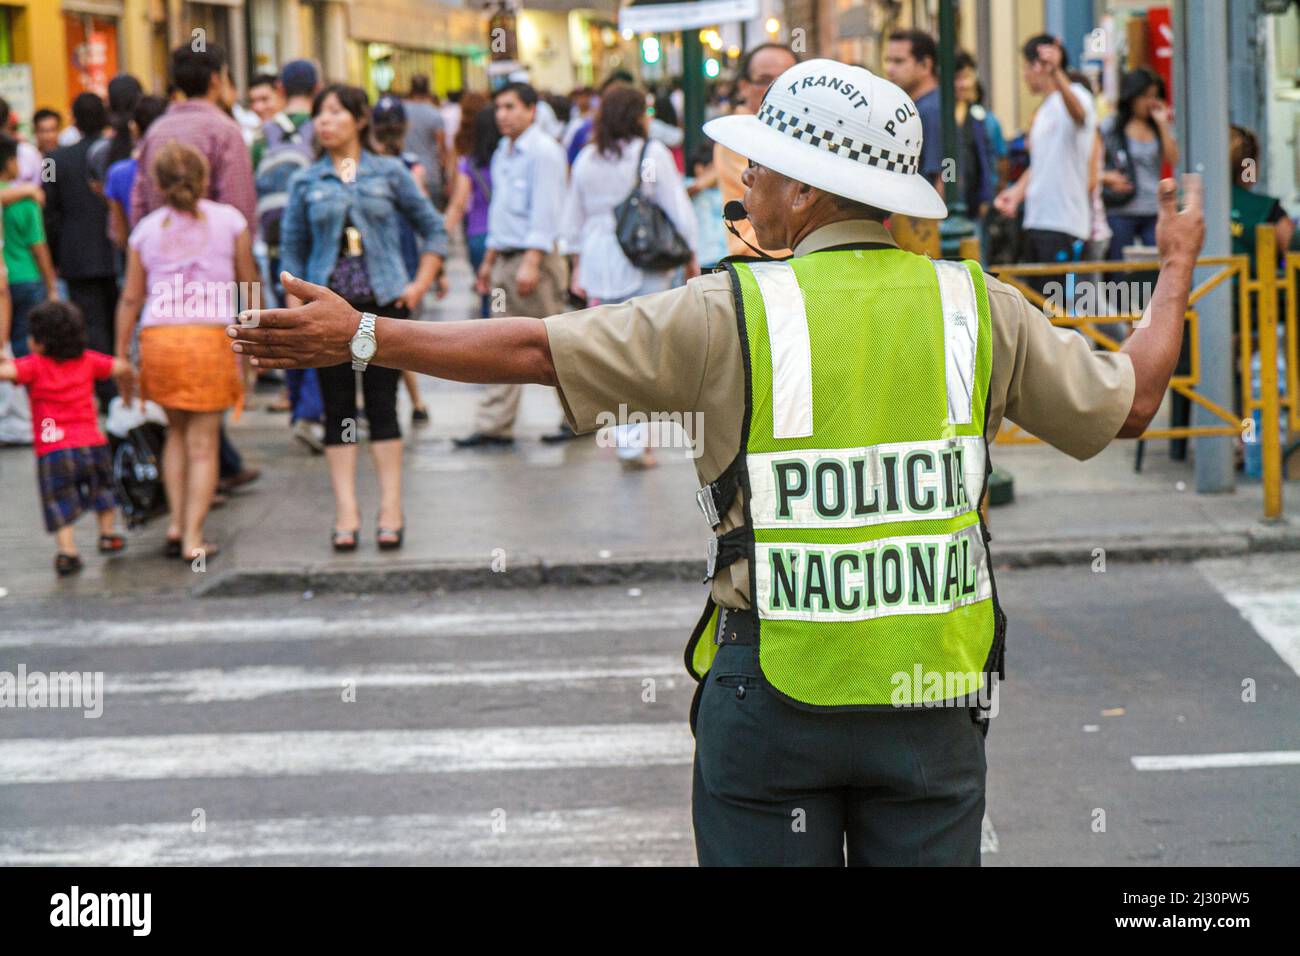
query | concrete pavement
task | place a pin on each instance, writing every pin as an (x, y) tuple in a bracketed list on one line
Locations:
[(549, 726)]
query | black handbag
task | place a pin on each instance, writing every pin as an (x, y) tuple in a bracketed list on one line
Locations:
[(1117, 157), (645, 233)]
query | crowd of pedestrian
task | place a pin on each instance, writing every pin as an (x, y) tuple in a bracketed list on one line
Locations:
[(110, 219)]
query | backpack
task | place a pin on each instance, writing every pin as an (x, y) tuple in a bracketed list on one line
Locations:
[(288, 150)]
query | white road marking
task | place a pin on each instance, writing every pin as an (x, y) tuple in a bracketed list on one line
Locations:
[(1263, 758), (1265, 590), (319, 752), (99, 633), (208, 685), (988, 836), (601, 836)]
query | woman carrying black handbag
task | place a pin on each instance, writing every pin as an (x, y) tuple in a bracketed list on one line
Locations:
[(627, 223)]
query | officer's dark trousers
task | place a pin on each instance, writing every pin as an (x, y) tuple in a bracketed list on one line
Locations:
[(779, 786)]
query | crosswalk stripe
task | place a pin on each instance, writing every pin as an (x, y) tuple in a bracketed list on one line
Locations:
[(92, 633), (1263, 758), (208, 685), (600, 836), (318, 752), (1265, 593)]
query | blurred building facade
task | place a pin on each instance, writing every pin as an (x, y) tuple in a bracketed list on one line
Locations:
[(51, 50)]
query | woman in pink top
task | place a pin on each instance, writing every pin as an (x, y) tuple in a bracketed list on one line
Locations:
[(194, 257)]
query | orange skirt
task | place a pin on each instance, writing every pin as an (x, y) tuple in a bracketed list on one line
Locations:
[(189, 367)]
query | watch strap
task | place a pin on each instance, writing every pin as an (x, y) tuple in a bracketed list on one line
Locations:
[(366, 329)]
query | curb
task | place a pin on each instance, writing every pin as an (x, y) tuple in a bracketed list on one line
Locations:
[(465, 575)]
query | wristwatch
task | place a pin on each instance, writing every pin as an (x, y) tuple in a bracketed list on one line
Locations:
[(363, 344)]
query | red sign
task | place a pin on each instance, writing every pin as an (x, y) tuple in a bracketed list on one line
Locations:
[(1160, 45), (92, 53)]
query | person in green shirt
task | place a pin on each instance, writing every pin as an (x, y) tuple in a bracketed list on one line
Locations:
[(27, 256), (1252, 209)]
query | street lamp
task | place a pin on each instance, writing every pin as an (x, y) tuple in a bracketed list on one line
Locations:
[(957, 226)]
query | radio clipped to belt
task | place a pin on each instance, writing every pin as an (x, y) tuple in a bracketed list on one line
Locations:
[(715, 500)]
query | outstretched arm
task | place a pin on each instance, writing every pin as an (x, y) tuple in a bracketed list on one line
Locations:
[(1156, 341), (318, 333)]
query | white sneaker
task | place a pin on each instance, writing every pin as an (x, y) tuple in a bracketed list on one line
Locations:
[(311, 434)]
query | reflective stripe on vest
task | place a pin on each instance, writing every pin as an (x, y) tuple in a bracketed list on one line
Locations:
[(960, 335), (865, 461), (787, 330)]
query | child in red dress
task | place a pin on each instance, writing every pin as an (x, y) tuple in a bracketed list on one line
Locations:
[(73, 465)]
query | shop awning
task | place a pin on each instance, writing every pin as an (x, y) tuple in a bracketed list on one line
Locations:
[(666, 16)]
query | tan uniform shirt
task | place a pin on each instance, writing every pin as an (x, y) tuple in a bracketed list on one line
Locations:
[(679, 352)]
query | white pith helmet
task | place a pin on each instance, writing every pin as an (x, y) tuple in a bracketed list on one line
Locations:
[(839, 128)]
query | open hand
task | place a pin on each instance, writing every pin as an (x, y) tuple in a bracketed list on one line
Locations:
[(313, 335)]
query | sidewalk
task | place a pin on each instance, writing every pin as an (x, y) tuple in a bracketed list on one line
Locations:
[(569, 514)]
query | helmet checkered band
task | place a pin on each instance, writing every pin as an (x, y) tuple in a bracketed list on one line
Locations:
[(840, 144)]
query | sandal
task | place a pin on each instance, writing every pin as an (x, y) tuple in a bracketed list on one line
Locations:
[(66, 564), (390, 539), (344, 540), (171, 547), (207, 550), (112, 543)]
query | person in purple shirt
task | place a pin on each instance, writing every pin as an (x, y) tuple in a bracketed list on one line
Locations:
[(476, 140)]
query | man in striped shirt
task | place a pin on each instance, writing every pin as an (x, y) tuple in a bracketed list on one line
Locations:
[(201, 121)]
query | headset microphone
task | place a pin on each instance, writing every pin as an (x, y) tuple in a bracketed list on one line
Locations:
[(735, 211)]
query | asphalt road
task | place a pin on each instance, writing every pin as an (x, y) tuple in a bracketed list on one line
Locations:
[(549, 727)]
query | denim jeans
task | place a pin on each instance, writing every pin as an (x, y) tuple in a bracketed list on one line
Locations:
[(1125, 229), (304, 395), (25, 297), (477, 250)]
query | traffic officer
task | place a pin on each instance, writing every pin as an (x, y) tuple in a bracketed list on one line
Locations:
[(848, 397)]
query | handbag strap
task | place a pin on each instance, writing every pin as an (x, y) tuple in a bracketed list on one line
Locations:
[(640, 165)]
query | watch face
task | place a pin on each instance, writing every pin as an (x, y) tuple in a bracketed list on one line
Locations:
[(363, 348)]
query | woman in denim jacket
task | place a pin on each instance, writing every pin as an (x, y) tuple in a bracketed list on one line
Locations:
[(340, 229)]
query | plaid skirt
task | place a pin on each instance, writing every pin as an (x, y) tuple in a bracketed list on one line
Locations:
[(73, 480)]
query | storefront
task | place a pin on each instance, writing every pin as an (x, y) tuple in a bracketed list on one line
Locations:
[(32, 52), (385, 54)]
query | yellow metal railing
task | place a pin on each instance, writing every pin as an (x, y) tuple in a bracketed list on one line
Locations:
[(1265, 292)]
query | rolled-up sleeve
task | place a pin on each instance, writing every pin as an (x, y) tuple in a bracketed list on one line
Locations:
[(1051, 382), (649, 354)]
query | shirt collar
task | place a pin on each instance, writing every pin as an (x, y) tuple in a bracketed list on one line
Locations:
[(843, 233), (522, 142), (198, 103)]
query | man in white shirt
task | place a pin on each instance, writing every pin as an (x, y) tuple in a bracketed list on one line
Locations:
[(1054, 190), (529, 178)]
